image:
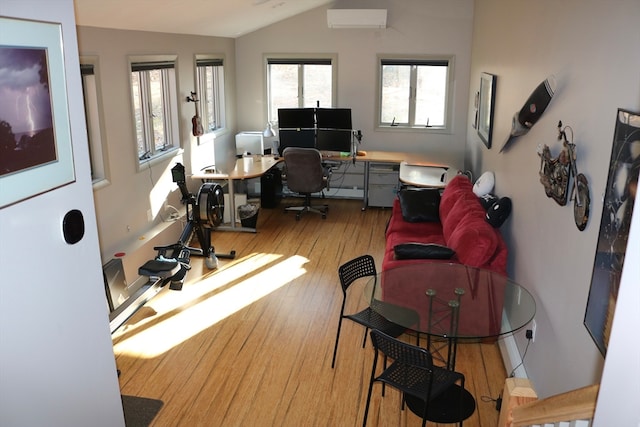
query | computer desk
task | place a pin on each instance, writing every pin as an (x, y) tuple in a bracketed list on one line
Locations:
[(415, 169), (246, 168), (256, 166)]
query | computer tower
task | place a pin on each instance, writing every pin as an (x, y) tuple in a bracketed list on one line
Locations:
[(271, 188)]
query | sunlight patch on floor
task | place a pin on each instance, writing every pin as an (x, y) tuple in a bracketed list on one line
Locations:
[(206, 307)]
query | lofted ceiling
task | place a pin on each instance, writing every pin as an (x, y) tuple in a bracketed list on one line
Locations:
[(222, 18)]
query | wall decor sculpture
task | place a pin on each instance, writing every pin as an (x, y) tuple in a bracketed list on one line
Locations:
[(556, 173), (531, 111), (35, 134), (620, 196)]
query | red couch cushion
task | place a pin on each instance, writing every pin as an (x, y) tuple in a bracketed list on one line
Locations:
[(474, 240)]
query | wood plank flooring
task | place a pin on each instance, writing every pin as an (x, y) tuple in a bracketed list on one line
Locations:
[(250, 344)]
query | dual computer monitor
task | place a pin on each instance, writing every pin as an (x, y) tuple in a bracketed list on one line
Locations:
[(327, 129)]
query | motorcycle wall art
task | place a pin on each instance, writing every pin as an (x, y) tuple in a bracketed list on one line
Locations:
[(556, 173)]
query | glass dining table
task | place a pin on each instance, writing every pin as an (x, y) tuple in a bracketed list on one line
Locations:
[(450, 303)]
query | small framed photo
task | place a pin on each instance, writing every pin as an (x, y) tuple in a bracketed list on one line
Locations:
[(486, 103), (36, 153)]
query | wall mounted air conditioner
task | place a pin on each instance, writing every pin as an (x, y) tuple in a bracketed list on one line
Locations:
[(357, 18)]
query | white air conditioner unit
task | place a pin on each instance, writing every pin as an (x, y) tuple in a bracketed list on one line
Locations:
[(357, 18)]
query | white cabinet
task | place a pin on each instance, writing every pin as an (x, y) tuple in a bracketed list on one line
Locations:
[(383, 184)]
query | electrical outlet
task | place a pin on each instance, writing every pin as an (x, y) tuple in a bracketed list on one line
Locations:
[(533, 330)]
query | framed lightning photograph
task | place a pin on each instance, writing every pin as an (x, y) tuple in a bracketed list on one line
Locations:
[(35, 135)]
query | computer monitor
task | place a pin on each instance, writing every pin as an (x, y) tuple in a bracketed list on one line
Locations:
[(334, 140), (296, 118), (250, 143), (333, 118), (304, 138)]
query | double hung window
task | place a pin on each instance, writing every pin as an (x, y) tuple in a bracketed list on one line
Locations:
[(299, 83), (210, 81), (154, 98), (415, 93), (93, 115)]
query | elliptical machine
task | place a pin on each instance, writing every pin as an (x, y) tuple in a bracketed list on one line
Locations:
[(204, 213)]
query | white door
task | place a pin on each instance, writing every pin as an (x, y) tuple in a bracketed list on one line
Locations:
[(56, 357)]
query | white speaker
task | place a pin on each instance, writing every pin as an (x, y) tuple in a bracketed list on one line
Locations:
[(357, 18)]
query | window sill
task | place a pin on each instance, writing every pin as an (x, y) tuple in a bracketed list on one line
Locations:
[(158, 158), (416, 129)]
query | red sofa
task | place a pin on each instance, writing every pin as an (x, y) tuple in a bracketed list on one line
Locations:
[(460, 225), (456, 224)]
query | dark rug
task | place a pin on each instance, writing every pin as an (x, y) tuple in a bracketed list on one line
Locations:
[(140, 411)]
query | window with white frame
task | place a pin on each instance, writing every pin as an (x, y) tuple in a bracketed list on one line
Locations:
[(299, 83), (93, 116), (415, 93), (154, 99), (210, 83)]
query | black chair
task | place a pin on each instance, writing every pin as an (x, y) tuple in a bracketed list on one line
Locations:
[(305, 175), (349, 272), (412, 372)]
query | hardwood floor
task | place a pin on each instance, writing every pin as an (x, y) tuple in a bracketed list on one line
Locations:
[(250, 344)]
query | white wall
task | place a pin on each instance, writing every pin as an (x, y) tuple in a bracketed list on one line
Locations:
[(414, 27), (592, 49), (57, 366), (123, 204)]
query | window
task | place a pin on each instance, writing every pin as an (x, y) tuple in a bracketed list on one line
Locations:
[(299, 83), (153, 89), (210, 81), (93, 115), (415, 93)]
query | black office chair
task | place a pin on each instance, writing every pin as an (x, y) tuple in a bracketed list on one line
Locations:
[(412, 372), (305, 175), (349, 272)]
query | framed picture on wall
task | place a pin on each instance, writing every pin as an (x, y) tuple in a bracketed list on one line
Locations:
[(486, 103), (620, 196), (35, 134)]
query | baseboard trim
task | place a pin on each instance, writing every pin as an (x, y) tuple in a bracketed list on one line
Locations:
[(510, 354)]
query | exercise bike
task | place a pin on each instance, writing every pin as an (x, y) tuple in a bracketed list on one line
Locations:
[(204, 213)]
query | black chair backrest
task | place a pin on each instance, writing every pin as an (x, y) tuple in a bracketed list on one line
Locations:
[(400, 351), (349, 272), (305, 173)]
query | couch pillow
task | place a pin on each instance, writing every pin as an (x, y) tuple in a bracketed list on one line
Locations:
[(420, 205), (422, 251), (484, 184), (474, 241)]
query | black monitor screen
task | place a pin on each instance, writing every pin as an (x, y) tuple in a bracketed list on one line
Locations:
[(334, 140), (296, 138), (296, 118), (333, 118)]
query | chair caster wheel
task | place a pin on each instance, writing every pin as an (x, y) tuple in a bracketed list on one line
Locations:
[(298, 217), (324, 216)]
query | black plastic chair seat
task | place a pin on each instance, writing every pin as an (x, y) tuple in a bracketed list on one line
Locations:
[(372, 320), (415, 381)]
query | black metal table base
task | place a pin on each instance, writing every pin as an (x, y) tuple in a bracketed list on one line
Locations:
[(454, 405)]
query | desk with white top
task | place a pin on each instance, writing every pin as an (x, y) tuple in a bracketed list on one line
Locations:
[(421, 169)]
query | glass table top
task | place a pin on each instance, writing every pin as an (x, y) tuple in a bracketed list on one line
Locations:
[(450, 300)]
